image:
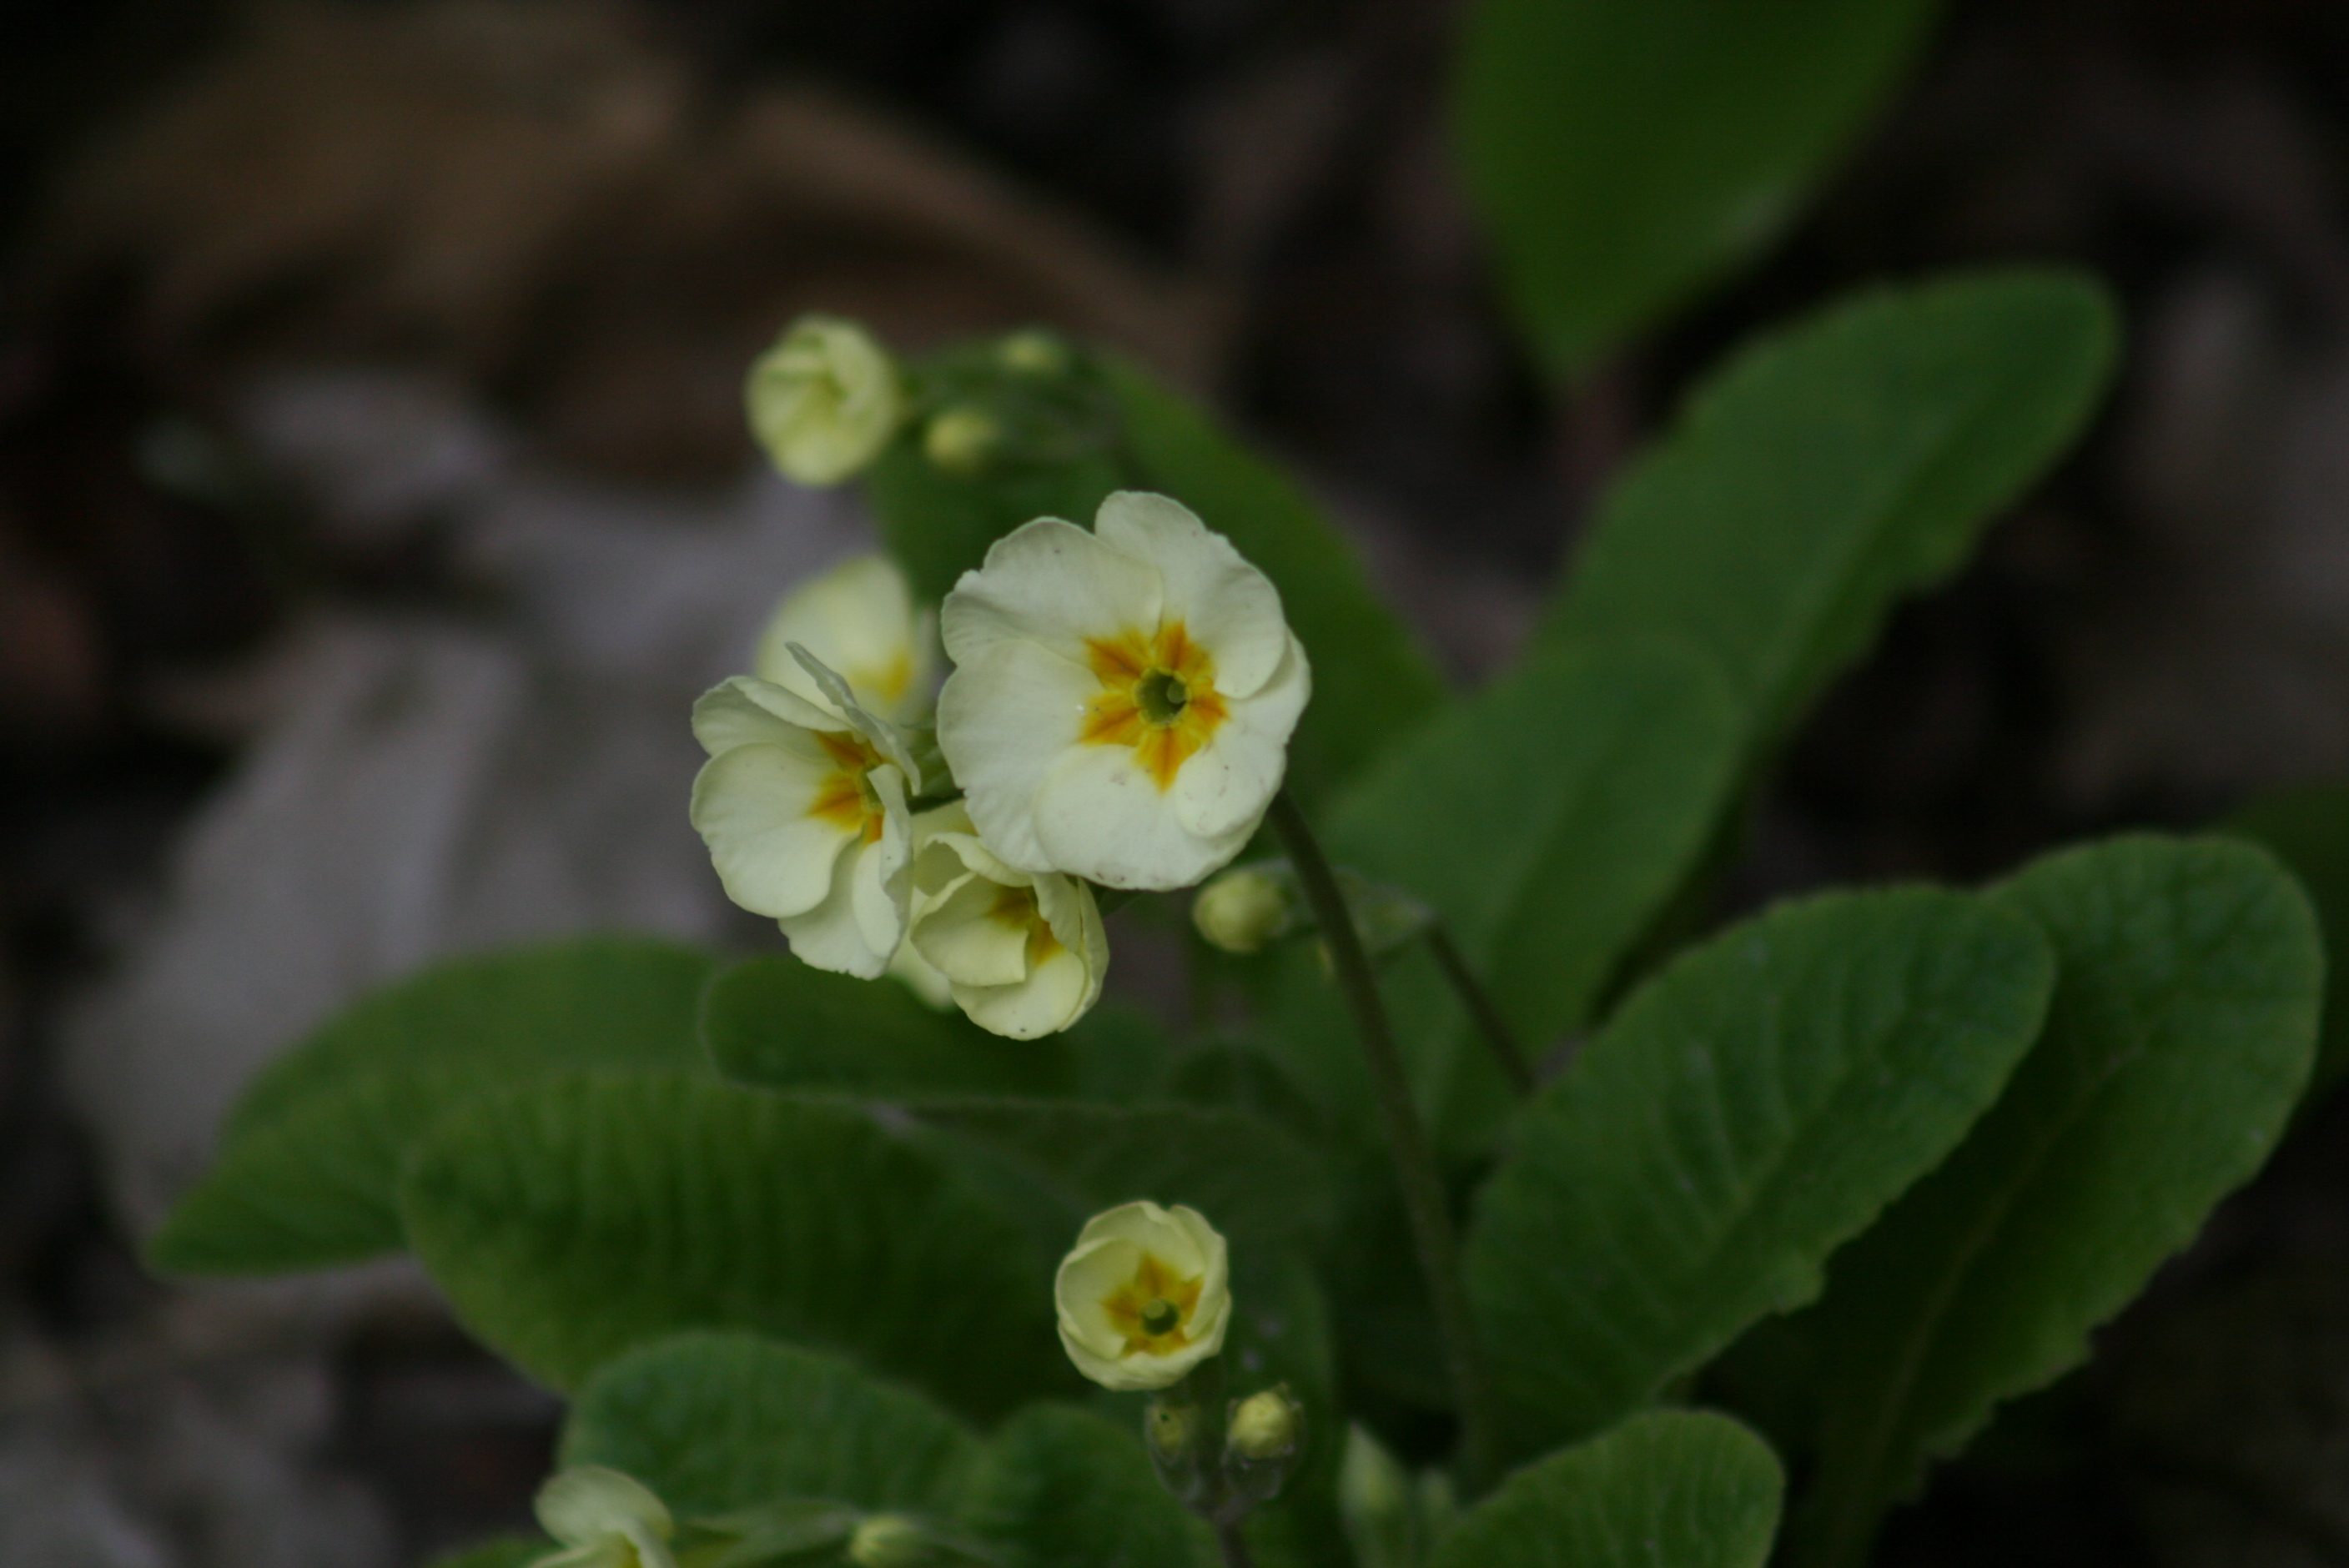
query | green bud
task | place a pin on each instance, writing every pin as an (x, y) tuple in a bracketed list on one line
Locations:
[(1269, 1425), (1374, 1505), (1246, 908), (961, 439), (1171, 1431), (1033, 353), (889, 1540)]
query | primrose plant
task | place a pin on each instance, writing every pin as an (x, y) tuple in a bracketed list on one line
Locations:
[(1498, 1202)]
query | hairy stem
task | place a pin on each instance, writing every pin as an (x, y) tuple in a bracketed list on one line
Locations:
[(1479, 1003), (1414, 1159)]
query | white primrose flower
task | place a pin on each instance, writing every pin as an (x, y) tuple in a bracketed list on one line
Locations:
[(824, 400), (1022, 953), (804, 809), (1143, 1296), (1121, 700), (604, 1519), (859, 619)]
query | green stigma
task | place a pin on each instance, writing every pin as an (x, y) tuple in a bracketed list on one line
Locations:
[(1161, 695), (1161, 1316)]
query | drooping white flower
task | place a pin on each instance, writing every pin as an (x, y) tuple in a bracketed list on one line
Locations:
[(804, 811), (824, 399), (1023, 953), (604, 1519), (857, 618), (1144, 1295), (1121, 700)]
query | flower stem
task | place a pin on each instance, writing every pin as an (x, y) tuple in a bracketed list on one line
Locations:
[(1235, 1546), (1479, 1003), (1414, 1159)]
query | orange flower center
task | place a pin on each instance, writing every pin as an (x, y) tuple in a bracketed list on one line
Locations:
[(1154, 1308), (1158, 696), (846, 798), (1016, 907)]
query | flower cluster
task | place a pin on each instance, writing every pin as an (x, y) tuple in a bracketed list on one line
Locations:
[(1118, 714)]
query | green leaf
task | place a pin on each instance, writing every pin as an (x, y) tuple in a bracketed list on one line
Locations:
[(1667, 1489), (2177, 1040), (1834, 467), (585, 1216), (776, 1023), (937, 524), (1547, 818), (1626, 152), (1749, 1110), (507, 1552), (2308, 830), (1249, 1178), (306, 1178), (1062, 1488), (1371, 678), (716, 1422)]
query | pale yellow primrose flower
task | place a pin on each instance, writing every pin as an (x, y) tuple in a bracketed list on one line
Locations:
[(804, 809), (857, 618), (1145, 1296), (1121, 700), (1022, 953), (603, 1520), (824, 400)]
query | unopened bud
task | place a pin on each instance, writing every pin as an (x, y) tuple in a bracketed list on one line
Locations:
[(1033, 353), (1266, 1425), (1172, 1430), (1374, 1505), (1246, 909), (889, 1540), (960, 440)]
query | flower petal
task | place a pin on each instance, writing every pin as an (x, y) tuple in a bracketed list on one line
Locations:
[(828, 937), (883, 870), (1094, 1271), (858, 618), (752, 806), (1224, 788), (586, 1503), (1051, 583), (1228, 607), (1052, 995), (1099, 815), (743, 710), (1005, 718), (957, 933)]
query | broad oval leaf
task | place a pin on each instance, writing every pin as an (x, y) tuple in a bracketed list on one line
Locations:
[(776, 1023), (1833, 467), (1062, 1488), (1666, 1488), (2308, 830), (716, 1422), (1750, 1108), (1547, 818), (2178, 1037), (585, 1216), (1624, 153), (312, 1154)]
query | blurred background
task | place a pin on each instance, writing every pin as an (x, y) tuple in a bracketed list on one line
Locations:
[(374, 497)]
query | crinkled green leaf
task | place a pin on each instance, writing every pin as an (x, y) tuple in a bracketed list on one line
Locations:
[(2183, 1021), (2308, 830), (1546, 820), (1626, 152), (1833, 467), (306, 1178), (716, 1422), (583, 1217), (1746, 1111), (1062, 1488), (776, 1023), (1371, 678), (1666, 1488)]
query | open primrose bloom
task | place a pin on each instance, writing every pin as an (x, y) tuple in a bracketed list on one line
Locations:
[(824, 400), (604, 1519), (859, 619), (804, 811), (1121, 700), (1143, 1296), (1023, 953)]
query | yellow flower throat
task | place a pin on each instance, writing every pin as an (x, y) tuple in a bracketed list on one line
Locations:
[(1158, 696), (845, 797), (1154, 1308)]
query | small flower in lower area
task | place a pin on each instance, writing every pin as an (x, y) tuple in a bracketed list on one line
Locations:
[(1246, 908), (603, 1520), (857, 618), (1121, 700), (824, 400), (804, 809), (1268, 1424), (1144, 1295), (1022, 953)]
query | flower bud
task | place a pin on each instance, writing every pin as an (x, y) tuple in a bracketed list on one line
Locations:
[(603, 1516), (1033, 353), (824, 400), (1246, 909), (1145, 1296), (961, 439), (1374, 1505), (1269, 1425), (889, 1540)]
